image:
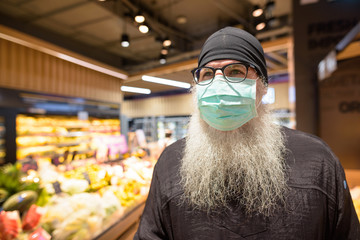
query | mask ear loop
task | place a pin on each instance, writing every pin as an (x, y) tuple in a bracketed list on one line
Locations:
[(265, 85)]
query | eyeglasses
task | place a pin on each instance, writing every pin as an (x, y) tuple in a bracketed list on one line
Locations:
[(233, 72)]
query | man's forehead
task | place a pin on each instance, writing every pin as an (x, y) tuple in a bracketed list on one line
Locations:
[(220, 62)]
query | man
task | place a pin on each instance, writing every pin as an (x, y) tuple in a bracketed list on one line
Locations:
[(237, 175)]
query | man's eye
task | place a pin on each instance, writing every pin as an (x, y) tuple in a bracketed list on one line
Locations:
[(236, 73), (206, 75)]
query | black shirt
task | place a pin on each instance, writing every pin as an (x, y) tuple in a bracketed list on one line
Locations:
[(318, 205)]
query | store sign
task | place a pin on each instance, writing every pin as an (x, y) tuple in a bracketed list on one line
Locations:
[(349, 107), (341, 92), (324, 35)]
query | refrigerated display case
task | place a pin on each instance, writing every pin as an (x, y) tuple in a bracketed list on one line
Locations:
[(64, 139), (2, 141), (155, 128), (74, 147)]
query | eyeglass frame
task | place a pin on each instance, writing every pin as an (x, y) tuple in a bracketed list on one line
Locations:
[(247, 65)]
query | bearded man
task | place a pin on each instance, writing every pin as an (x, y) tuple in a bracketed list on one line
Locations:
[(237, 175)]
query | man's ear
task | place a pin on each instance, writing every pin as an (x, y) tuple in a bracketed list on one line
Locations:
[(265, 90)]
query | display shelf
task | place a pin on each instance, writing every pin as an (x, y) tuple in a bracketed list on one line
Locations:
[(131, 216), (2, 141), (53, 136), (353, 177)]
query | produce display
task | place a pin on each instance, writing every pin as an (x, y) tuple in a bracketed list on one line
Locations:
[(355, 194), (73, 179), (79, 203), (64, 139), (2, 141)]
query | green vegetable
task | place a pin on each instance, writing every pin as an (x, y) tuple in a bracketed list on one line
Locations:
[(3, 195), (20, 201), (10, 180), (43, 198)]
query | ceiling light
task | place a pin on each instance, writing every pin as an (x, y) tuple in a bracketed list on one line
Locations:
[(135, 90), (260, 26), (164, 51), (143, 28), (125, 42), (257, 11), (181, 19), (165, 81), (139, 18), (162, 59), (166, 42)]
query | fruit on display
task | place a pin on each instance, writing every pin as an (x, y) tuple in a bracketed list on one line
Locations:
[(20, 201), (78, 201), (355, 194), (10, 226), (3, 195), (96, 176), (80, 216), (32, 217), (75, 186), (64, 139), (17, 191)]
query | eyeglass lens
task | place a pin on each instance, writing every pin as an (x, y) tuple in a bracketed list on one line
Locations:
[(234, 72)]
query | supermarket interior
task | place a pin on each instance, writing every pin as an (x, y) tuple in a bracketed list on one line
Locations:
[(86, 107)]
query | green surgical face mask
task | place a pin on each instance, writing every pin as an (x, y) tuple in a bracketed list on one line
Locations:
[(227, 106)]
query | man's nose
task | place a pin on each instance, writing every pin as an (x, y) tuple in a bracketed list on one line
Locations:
[(218, 72)]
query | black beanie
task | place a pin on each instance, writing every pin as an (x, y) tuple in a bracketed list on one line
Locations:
[(235, 44)]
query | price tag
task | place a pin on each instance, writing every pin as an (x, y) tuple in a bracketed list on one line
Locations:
[(87, 177), (57, 188)]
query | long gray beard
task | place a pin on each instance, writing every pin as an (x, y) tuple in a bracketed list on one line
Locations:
[(245, 165)]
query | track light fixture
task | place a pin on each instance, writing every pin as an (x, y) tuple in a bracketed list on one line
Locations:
[(125, 41), (143, 28), (162, 59), (139, 17), (167, 42), (260, 26), (263, 15), (164, 51), (257, 11)]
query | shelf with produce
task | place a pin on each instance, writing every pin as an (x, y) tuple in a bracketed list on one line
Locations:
[(119, 227), (54, 136), (57, 144), (67, 134), (353, 181), (89, 201)]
